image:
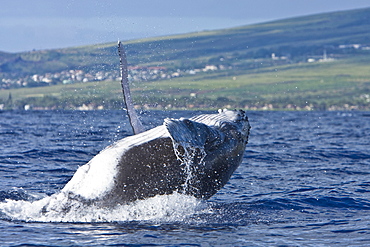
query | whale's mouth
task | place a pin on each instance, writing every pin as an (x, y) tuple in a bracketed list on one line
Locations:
[(240, 120)]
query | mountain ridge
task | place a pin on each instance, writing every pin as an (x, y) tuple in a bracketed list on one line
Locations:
[(329, 29)]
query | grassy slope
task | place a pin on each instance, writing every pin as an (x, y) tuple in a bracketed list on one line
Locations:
[(332, 82), (329, 83)]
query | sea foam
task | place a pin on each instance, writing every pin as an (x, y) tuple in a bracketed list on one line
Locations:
[(167, 208)]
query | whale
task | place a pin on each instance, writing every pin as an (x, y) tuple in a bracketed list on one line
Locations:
[(192, 156)]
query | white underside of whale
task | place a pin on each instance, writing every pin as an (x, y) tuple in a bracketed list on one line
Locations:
[(94, 179)]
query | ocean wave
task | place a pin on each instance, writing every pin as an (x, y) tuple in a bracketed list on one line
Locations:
[(16, 194)]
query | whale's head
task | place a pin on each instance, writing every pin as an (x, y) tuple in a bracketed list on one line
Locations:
[(236, 120), (218, 141)]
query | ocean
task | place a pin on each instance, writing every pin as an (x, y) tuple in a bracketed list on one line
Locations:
[(304, 181)]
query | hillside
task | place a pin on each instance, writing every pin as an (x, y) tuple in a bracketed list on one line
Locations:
[(253, 65), (293, 37)]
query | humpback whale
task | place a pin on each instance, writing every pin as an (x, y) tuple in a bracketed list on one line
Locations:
[(194, 156)]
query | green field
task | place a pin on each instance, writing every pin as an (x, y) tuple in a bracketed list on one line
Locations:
[(338, 84)]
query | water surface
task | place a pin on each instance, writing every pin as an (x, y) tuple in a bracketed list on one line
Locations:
[(304, 181)]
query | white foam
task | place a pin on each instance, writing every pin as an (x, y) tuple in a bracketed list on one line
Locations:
[(163, 208)]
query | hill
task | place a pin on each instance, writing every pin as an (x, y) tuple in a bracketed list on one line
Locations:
[(255, 65)]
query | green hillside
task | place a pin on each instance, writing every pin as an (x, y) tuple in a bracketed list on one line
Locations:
[(342, 84), (251, 76)]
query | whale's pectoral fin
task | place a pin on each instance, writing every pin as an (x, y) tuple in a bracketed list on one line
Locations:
[(135, 122), (194, 134)]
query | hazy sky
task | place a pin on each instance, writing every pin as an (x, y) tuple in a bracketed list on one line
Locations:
[(45, 24)]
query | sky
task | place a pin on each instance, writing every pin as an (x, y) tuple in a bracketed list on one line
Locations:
[(47, 24)]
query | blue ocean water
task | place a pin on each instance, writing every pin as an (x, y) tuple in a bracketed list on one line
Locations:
[(304, 181)]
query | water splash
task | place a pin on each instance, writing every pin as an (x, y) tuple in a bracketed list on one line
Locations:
[(162, 208), (191, 158), (61, 207)]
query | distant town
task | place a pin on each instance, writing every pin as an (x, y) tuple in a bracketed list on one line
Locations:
[(136, 73)]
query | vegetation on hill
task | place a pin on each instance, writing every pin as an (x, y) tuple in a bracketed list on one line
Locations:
[(312, 62), (334, 85)]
